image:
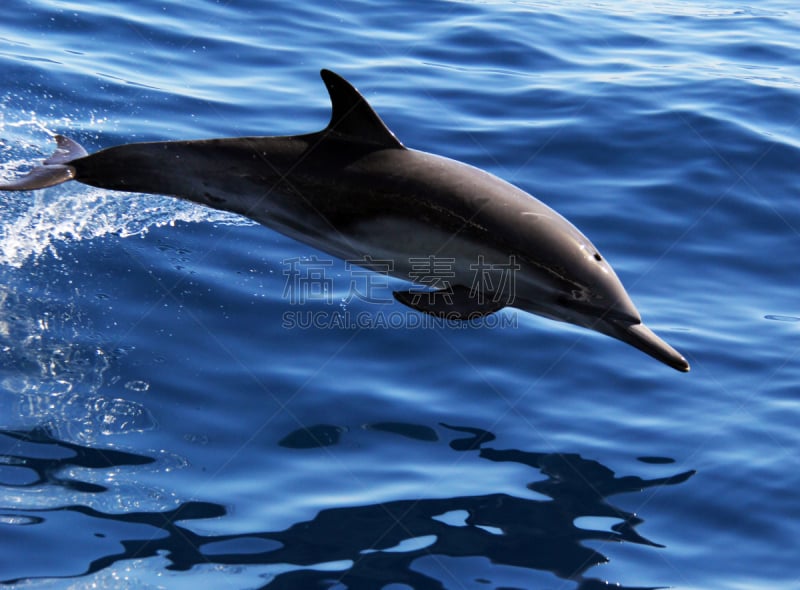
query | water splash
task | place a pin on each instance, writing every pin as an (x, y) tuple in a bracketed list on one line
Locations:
[(59, 384), (57, 215), (33, 224), (51, 377)]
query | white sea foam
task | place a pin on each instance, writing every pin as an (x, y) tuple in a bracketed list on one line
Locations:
[(37, 222)]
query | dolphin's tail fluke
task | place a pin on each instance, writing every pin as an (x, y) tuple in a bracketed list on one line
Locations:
[(54, 170)]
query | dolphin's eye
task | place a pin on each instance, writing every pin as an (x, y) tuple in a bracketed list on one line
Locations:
[(598, 257)]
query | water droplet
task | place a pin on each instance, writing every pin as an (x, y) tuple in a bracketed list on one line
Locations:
[(137, 385)]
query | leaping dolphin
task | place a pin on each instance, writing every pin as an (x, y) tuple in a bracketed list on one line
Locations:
[(354, 191)]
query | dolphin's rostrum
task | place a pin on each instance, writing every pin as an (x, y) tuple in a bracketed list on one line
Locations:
[(354, 191)]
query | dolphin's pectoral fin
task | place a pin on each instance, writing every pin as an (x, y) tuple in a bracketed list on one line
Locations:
[(54, 170), (454, 303)]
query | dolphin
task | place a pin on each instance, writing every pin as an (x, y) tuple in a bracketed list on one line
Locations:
[(354, 191)]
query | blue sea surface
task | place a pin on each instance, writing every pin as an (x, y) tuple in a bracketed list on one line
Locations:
[(166, 421)]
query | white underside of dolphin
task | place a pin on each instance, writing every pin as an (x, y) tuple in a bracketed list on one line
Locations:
[(354, 191)]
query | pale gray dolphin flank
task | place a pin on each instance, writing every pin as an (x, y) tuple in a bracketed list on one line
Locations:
[(354, 191)]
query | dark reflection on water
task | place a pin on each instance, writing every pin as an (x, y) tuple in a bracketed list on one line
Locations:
[(38, 459), (365, 547)]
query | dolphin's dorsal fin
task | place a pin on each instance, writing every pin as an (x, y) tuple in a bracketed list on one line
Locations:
[(352, 115)]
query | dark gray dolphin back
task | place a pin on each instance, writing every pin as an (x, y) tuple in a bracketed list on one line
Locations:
[(352, 116)]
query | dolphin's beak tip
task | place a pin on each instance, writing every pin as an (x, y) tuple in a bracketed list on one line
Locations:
[(671, 357), (646, 340), (683, 366)]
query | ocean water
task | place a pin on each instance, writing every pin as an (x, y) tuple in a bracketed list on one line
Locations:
[(163, 423)]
